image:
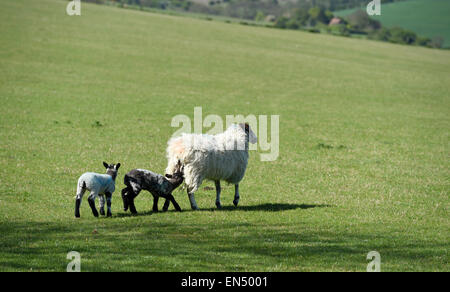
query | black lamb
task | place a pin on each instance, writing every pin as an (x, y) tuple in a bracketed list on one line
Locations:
[(157, 184)]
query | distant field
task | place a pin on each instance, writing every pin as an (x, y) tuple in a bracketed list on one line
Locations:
[(428, 18), (364, 143)]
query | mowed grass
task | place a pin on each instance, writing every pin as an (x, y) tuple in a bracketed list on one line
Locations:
[(364, 143), (427, 18)]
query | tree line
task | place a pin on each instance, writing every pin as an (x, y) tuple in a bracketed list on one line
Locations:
[(319, 19), (311, 15)]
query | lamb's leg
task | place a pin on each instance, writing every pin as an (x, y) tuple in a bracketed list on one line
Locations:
[(155, 203), (125, 198), (218, 205), (108, 204), (236, 195), (77, 207), (79, 197), (166, 205), (102, 204), (132, 207), (131, 196), (192, 199), (170, 198), (91, 201)]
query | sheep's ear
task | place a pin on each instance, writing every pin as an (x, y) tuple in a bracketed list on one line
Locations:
[(105, 164), (117, 166), (244, 126), (168, 175)]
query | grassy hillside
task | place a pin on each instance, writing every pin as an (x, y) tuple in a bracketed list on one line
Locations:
[(427, 18), (364, 143)]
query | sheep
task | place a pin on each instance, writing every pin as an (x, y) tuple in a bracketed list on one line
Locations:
[(158, 185), (98, 185), (213, 157)]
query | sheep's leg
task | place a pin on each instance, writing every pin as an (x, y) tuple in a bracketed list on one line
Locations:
[(78, 199), (170, 198), (236, 195), (125, 198), (166, 205), (131, 196), (218, 190), (108, 204), (102, 204), (132, 207), (91, 201), (77, 207), (192, 199), (155, 203)]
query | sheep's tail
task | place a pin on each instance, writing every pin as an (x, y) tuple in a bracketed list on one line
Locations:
[(175, 152), (81, 188)]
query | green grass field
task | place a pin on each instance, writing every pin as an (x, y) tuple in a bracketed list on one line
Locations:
[(364, 143), (427, 18)]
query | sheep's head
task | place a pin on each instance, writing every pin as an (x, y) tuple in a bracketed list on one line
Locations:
[(126, 198), (112, 169), (248, 131), (177, 177)]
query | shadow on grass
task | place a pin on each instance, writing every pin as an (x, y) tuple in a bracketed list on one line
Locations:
[(268, 207), (152, 245), (124, 214)]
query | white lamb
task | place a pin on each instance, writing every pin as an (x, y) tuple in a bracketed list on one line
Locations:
[(216, 157), (99, 185)]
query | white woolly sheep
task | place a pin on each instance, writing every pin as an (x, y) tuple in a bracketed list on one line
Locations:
[(98, 185), (216, 157), (158, 185)]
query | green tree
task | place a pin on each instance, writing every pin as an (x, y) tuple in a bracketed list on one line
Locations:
[(260, 16), (281, 22), (402, 36), (318, 15), (382, 34), (359, 20)]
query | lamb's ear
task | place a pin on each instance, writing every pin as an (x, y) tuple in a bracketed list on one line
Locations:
[(168, 175), (117, 166), (105, 164)]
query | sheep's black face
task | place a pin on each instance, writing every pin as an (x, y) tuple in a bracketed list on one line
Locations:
[(112, 169), (250, 136), (128, 200), (178, 176)]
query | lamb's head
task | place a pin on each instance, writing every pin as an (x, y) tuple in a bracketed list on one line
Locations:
[(177, 177), (112, 169), (249, 133)]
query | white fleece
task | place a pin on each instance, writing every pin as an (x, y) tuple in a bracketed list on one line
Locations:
[(215, 157), (96, 183)]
